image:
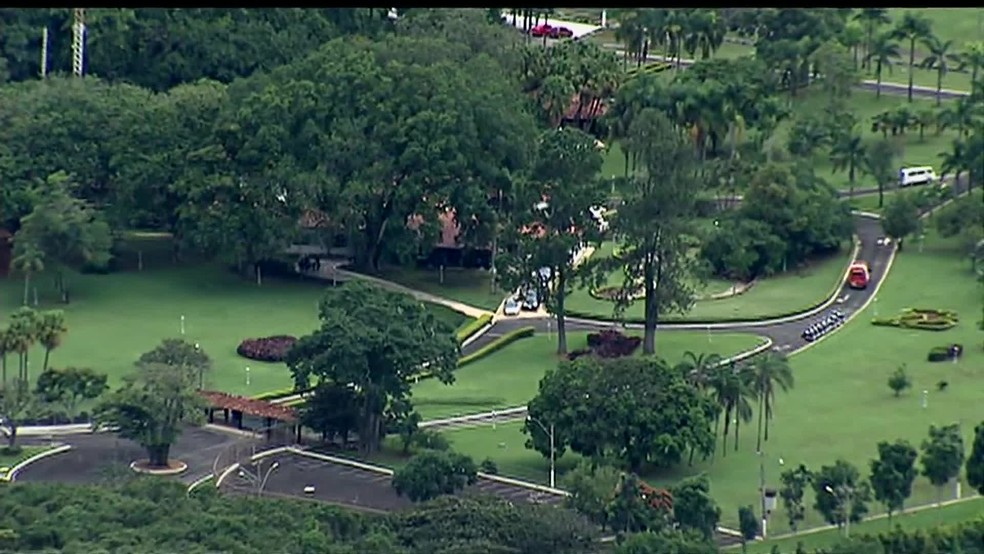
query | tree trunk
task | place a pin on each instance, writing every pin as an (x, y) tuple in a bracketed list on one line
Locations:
[(727, 428), (12, 437), (758, 443), (912, 60), (768, 417), (651, 308), (717, 426), (158, 455), (47, 354), (737, 427), (259, 274), (27, 285), (3, 366), (559, 294)]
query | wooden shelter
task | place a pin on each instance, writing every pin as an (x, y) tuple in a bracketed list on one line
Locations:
[(235, 408)]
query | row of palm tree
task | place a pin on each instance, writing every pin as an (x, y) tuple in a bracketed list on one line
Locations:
[(693, 30), (882, 48), (29, 327), (735, 387)]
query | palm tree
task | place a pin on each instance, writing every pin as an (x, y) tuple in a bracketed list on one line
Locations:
[(632, 35), (960, 114), (884, 52), (848, 152), (880, 164), (940, 56), (730, 390), (705, 33), (741, 398), (6, 347), (972, 57), (699, 369), (50, 330), (912, 27), (925, 118), (29, 261), (769, 372), (871, 19), (852, 37), (23, 329)]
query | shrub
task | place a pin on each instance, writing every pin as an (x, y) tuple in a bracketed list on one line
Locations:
[(472, 327), (944, 353), (489, 466), (608, 344), (267, 349), (496, 345)]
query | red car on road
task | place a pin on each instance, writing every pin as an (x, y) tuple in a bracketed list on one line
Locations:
[(858, 275), (546, 30)]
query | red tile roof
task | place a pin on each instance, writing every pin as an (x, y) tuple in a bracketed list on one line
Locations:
[(248, 406)]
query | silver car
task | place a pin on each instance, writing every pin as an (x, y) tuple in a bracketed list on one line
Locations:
[(512, 306)]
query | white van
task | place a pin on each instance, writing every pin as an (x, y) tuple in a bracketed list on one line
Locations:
[(916, 176)]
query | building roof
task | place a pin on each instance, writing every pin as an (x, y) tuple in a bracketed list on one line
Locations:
[(249, 406)]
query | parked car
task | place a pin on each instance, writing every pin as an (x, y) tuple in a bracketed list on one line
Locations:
[(512, 306), (561, 32), (909, 176), (544, 274), (541, 30), (531, 300)]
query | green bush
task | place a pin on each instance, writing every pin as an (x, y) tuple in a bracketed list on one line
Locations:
[(274, 394), (472, 327), (938, 354), (648, 68), (921, 318)]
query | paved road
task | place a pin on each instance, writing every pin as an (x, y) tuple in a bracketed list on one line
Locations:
[(357, 488)]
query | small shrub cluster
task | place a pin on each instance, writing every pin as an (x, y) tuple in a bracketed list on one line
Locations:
[(918, 318), (945, 353), (267, 349), (608, 344)]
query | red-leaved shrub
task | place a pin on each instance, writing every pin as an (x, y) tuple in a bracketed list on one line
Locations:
[(608, 344), (267, 349)]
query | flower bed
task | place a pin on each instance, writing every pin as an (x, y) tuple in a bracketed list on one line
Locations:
[(918, 318), (608, 344), (267, 349)]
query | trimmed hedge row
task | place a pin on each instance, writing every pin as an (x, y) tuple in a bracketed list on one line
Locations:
[(652, 68), (497, 344), (468, 329), (920, 318), (732, 319)]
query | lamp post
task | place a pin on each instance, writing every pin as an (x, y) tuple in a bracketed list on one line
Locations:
[(201, 371), (550, 433), (843, 495), (255, 479)]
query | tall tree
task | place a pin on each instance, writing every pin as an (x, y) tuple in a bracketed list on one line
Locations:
[(942, 58), (658, 206), (693, 506), (883, 52), (69, 387), (912, 27), (794, 483), (152, 407), (68, 231), (23, 330), (179, 352), (653, 416), (942, 455), (880, 165), (901, 218), (840, 493), (892, 474), (376, 340), (553, 221), (871, 19), (769, 372), (848, 152), (331, 410), (51, 330), (972, 57), (591, 490), (975, 462)]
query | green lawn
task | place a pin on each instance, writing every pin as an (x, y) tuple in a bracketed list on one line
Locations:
[(782, 294), (841, 405), (922, 519), (114, 318), (8, 461), (511, 376), (961, 25), (469, 286)]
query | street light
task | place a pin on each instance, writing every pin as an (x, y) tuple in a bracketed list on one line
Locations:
[(550, 433), (843, 495), (255, 479)]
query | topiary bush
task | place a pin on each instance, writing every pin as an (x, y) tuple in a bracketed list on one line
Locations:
[(945, 353), (267, 349), (920, 318), (608, 344)]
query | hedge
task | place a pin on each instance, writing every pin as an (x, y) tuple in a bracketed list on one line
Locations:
[(271, 395), (490, 348), (468, 329), (921, 318), (658, 67)]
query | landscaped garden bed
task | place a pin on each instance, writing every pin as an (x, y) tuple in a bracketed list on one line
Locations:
[(267, 349), (921, 318)]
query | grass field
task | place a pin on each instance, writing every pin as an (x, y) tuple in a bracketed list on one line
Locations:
[(841, 405), (961, 25), (511, 376), (469, 286), (114, 318), (796, 290)]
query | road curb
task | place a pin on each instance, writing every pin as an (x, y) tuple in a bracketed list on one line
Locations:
[(12, 474)]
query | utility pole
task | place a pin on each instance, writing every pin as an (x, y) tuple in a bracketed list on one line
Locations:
[(78, 42), (44, 52)]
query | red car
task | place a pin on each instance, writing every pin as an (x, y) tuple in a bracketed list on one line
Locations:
[(547, 30), (858, 276)]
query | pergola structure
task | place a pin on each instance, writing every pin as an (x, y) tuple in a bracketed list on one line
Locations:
[(235, 407)]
